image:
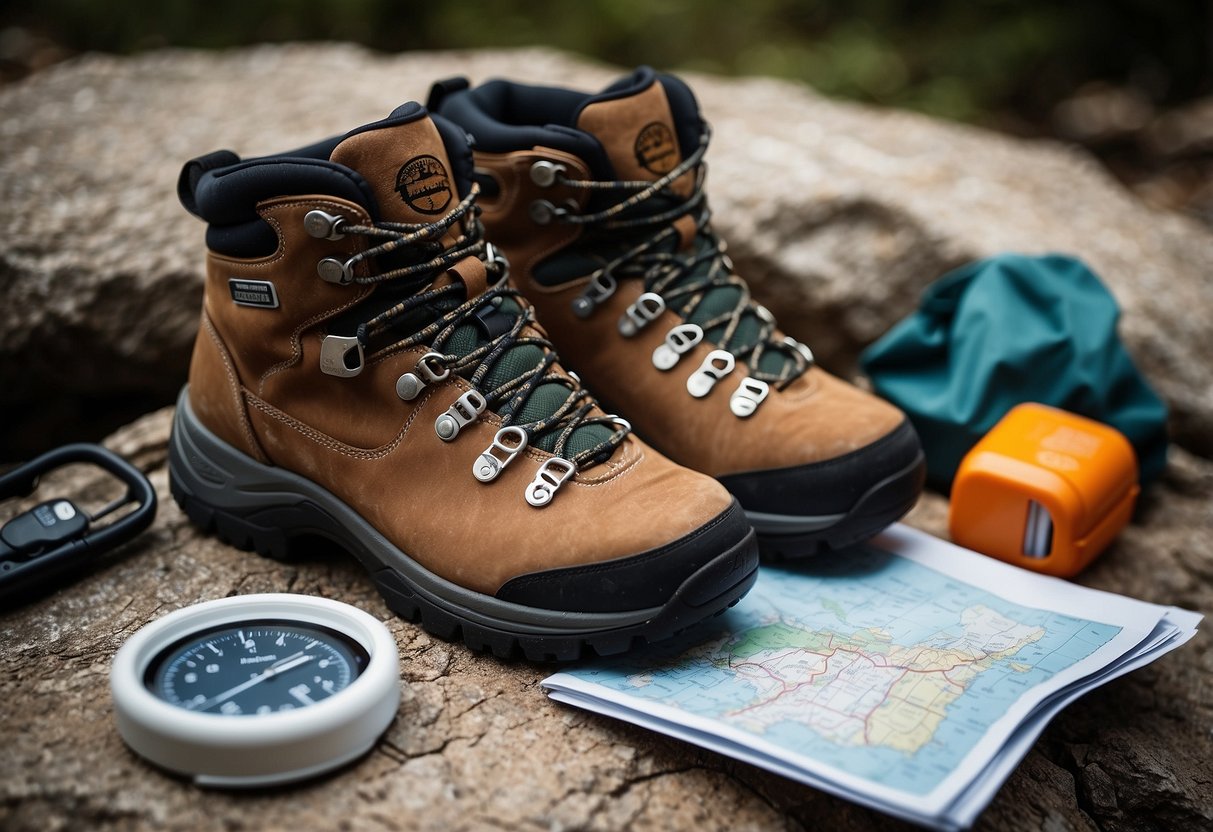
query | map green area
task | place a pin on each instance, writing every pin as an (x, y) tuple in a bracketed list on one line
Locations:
[(876, 665)]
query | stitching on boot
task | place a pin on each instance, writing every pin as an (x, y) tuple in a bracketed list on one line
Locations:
[(258, 263), (519, 171), (617, 471), (329, 442), (265, 263), (607, 480), (296, 336), (811, 388), (297, 341), (235, 389)]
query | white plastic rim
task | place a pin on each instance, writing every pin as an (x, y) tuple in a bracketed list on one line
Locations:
[(257, 750)]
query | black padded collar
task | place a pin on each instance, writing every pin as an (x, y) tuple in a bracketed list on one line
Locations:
[(503, 116)]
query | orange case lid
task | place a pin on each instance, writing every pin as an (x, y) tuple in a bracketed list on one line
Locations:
[(1082, 472)]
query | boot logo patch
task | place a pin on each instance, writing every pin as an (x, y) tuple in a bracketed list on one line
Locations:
[(258, 293), (655, 148), (423, 184)]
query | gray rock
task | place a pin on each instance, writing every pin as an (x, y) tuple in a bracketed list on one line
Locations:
[(477, 745), (854, 212), (871, 206), (839, 214)]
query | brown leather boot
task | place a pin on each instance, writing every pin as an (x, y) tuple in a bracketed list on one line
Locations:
[(363, 373), (598, 202)]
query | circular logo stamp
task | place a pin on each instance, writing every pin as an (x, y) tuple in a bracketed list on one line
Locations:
[(423, 184), (656, 150)]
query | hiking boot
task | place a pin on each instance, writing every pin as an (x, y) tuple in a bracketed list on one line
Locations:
[(598, 202), (364, 374)]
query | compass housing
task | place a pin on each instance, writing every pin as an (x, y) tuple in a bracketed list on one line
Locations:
[(247, 745)]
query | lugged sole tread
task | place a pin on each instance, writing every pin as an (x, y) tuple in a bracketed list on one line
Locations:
[(276, 543)]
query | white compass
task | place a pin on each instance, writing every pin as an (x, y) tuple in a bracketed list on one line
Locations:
[(256, 690)]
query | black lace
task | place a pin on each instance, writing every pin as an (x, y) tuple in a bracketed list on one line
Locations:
[(684, 280), (510, 397)]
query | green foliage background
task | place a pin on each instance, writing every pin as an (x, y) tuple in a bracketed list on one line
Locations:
[(963, 59)]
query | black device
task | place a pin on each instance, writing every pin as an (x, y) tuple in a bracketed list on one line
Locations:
[(40, 546)]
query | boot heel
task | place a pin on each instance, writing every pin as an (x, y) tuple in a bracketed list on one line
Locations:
[(222, 490), (233, 529)]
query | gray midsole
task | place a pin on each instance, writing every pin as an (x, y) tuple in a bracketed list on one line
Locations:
[(790, 523), (225, 478)]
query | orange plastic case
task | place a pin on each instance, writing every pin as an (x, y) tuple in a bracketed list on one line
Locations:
[(1044, 489)]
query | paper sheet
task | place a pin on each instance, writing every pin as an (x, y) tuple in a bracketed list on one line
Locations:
[(910, 676)]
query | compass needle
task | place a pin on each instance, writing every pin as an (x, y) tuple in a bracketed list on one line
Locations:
[(268, 673)]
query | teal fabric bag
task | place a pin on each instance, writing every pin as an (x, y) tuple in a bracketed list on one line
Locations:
[(1007, 330)]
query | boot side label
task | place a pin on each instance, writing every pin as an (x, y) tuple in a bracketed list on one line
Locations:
[(253, 293)]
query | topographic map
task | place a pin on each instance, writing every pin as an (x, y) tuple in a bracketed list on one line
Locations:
[(909, 674), (875, 665)]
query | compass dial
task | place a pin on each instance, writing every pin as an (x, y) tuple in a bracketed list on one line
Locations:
[(255, 668)]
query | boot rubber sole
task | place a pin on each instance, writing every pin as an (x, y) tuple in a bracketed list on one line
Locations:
[(273, 511), (785, 537)]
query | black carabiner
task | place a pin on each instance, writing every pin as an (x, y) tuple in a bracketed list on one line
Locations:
[(38, 546)]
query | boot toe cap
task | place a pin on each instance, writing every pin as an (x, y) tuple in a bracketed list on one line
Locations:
[(699, 566), (835, 486)]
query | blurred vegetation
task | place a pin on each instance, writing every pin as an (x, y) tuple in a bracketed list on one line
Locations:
[(973, 60), (1132, 80)]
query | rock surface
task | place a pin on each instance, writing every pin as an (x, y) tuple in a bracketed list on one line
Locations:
[(857, 210), (839, 214), (477, 745)]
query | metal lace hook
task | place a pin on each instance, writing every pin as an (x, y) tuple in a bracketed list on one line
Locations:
[(715, 366), (410, 385), (552, 474), (600, 287), (507, 444)]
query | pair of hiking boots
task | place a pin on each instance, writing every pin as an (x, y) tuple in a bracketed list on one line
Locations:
[(377, 364)]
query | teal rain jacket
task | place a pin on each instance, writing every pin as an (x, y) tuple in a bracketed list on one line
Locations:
[(1007, 330)]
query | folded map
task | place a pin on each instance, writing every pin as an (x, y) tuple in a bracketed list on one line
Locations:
[(909, 675)]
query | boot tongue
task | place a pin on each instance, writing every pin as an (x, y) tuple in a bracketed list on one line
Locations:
[(647, 124), (406, 160), (637, 127)]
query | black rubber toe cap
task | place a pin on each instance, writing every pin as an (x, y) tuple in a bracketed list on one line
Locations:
[(832, 486), (648, 579)]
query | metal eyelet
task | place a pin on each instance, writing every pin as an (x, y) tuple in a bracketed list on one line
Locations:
[(542, 212), (601, 287), (551, 475), (466, 409), (323, 225), (750, 393), (715, 366), (801, 348), (410, 385), (332, 270), (545, 173), (335, 353), (492, 254), (647, 308), (623, 423), (678, 341), (500, 453)]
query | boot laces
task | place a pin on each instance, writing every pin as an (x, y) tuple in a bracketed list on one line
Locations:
[(507, 398), (685, 280)]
